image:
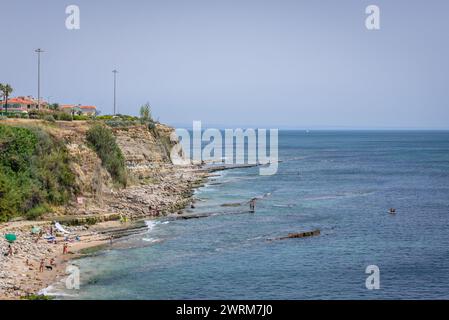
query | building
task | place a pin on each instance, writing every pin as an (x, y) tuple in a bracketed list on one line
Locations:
[(26, 104), (22, 104), (79, 109), (88, 110), (68, 108)]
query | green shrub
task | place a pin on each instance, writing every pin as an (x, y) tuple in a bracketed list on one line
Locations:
[(151, 126), (121, 123), (13, 114), (145, 113), (105, 117), (36, 114), (62, 116), (103, 142), (34, 172), (124, 117), (49, 118), (36, 212), (82, 117)]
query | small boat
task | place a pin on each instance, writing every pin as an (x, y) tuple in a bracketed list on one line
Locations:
[(392, 211)]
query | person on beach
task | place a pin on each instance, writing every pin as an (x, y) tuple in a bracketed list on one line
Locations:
[(52, 262), (41, 266), (28, 263), (65, 248), (10, 251), (111, 238)]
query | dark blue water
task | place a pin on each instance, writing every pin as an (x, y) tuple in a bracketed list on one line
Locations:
[(342, 183)]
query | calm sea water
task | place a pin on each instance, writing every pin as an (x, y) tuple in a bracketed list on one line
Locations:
[(340, 182)]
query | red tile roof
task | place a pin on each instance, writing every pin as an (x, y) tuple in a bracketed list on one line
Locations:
[(88, 107), (20, 100)]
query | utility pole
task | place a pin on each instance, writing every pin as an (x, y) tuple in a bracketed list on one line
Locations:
[(115, 90), (38, 51)]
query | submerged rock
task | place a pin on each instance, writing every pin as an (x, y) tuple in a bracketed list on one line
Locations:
[(314, 233)]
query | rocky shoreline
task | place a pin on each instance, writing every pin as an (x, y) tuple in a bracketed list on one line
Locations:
[(155, 188), (19, 273)]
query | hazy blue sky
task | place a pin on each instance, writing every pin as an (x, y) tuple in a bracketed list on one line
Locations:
[(302, 64)]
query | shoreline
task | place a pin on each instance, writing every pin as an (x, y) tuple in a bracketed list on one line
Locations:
[(19, 273), (22, 280)]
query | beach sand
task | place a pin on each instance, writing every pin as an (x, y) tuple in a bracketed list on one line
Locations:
[(19, 279)]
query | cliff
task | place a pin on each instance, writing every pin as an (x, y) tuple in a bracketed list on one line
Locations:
[(154, 186)]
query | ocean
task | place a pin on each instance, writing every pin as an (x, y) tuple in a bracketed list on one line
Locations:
[(341, 182)]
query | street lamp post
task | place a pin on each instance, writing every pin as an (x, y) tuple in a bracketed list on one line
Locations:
[(115, 89), (38, 51)]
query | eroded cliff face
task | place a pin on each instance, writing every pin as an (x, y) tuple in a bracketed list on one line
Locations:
[(144, 147), (155, 186)]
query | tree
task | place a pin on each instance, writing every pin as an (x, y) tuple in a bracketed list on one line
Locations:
[(6, 90), (1, 94), (145, 113), (54, 106)]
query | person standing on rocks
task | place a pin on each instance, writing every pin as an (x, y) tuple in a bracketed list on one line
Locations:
[(65, 248), (41, 266), (252, 206)]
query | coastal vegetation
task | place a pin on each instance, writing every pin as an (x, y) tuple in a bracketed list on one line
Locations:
[(34, 172), (5, 91), (105, 145), (145, 113)]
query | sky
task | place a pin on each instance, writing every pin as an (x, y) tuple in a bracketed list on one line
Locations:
[(303, 64)]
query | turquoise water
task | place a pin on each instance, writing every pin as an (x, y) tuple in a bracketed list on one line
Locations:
[(340, 182)]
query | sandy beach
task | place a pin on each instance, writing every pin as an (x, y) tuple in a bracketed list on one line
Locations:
[(20, 276)]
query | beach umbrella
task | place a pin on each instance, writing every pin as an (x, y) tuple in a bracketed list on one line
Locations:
[(35, 230), (10, 237)]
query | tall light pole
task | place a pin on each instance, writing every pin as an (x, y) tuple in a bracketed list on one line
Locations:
[(39, 51), (115, 89)]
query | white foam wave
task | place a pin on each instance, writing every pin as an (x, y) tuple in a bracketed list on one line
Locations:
[(151, 240), (51, 291)]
